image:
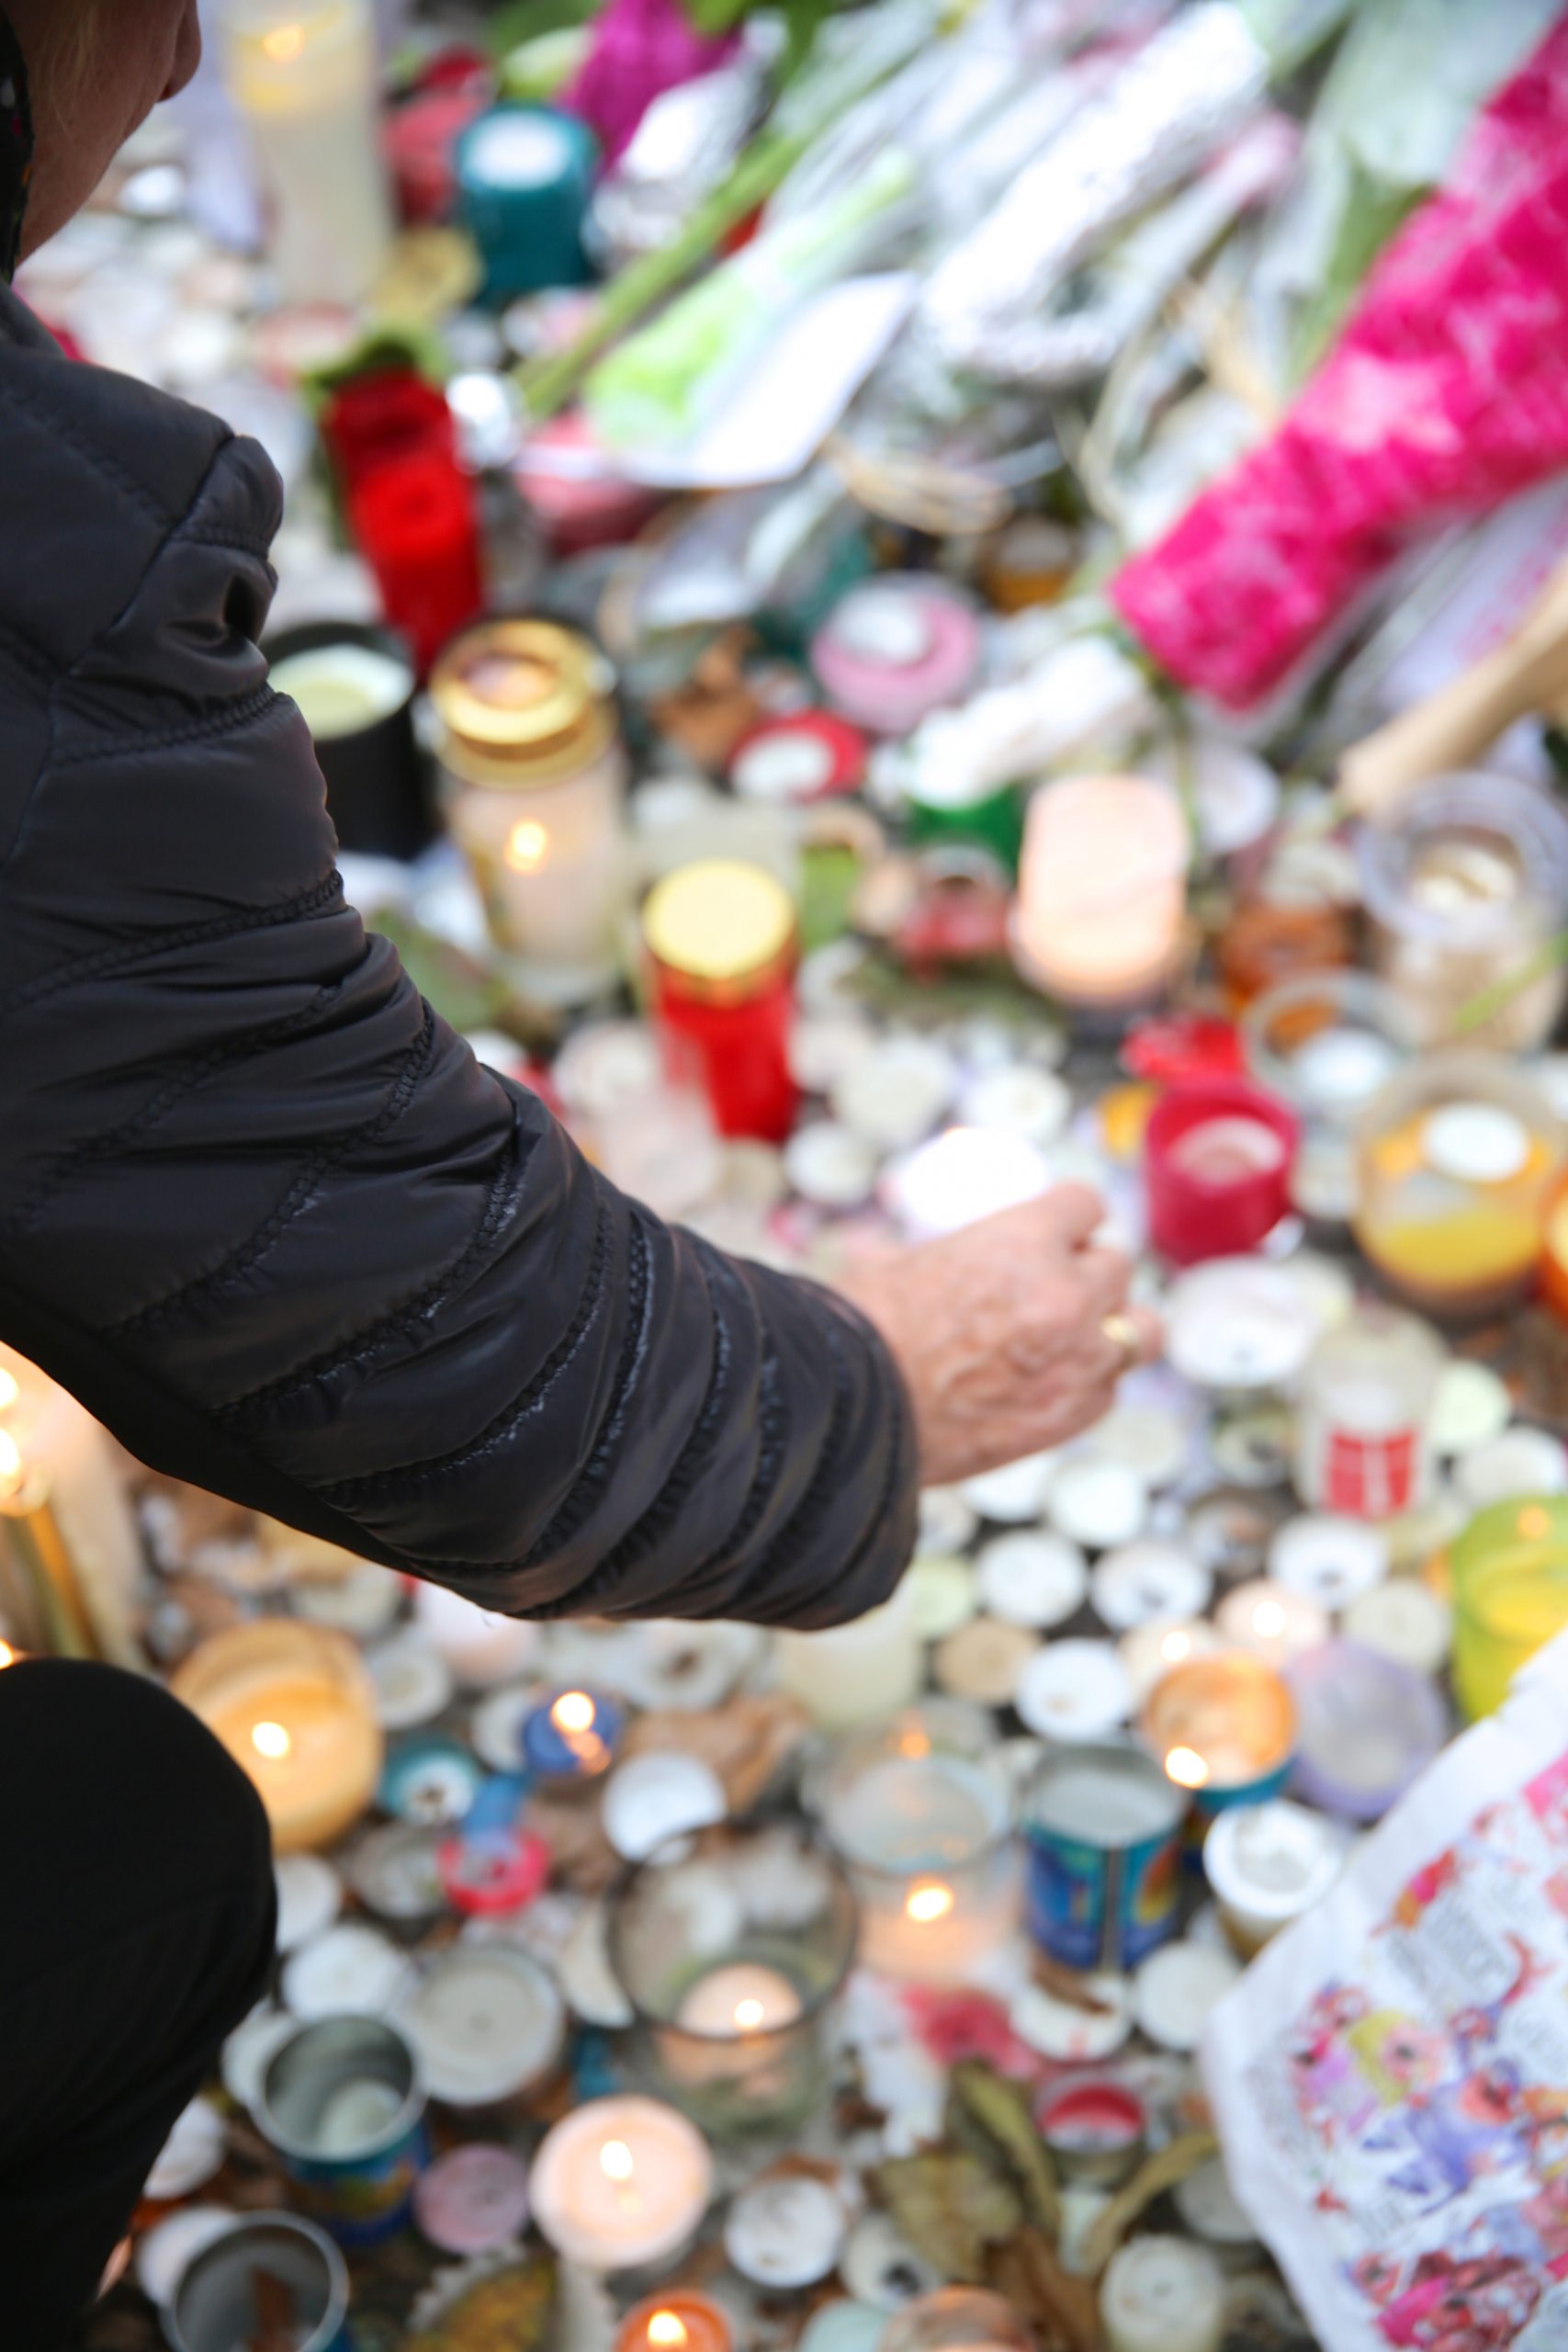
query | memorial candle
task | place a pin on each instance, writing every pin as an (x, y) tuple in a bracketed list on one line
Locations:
[(722, 947), (620, 2183), (1224, 1727), (55, 1451), (1102, 890), (677, 2322), (294, 1707), (1510, 1571), (1217, 1168), (856, 1673)]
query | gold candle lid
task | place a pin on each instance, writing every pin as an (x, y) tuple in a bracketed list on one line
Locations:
[(727, 928), (523, 702)]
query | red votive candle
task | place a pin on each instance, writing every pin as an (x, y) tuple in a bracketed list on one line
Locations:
[(390, 414), (1217, 1170), (722, 947), (417, 525)]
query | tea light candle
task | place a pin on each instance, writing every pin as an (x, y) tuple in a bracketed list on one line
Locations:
[(1102, 885), (1148, 1583), (854, 1673), (1094, 2130), (482, 1647), (659, 1796), (304, 74), (487, 2023), (1095, 1503), (1151, 1650), (740, 1998), (1239, 1324), (1163, 2294), (411, 1683), (1366, 1727), (1510, 1571), (894, 1094), (1270, 1864), (1224, 1727), (1326, 1557), (430, 1780), (1273, 1623), (1175, 1990), (620, 2183), (1217, 1169), (292, 1705), (1032, 1579), (677, 2322), (1074, 1691), (572, 1737), (473, 2200), (803, 756), (961, 1175), (350, 1968), (1406, 1621)]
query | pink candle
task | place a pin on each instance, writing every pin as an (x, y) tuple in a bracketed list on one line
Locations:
[(1103, 889)]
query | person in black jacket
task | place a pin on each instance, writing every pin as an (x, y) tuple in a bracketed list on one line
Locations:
[(271, 1221)]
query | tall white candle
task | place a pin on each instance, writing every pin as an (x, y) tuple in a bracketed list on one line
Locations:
[(304, 74), (1164, 2295), (64, 1452), (620, 2183), (854, 1673)]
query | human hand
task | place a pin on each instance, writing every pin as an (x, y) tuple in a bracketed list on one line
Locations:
[(998, 1331)]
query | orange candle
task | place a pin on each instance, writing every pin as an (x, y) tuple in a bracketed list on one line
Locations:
[(679, 2321), (293, 1706)]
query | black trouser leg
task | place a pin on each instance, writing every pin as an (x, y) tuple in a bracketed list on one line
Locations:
[(136, 1929)]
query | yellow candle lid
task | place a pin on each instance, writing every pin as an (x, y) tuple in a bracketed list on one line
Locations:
[(523, 702), (719, 922)]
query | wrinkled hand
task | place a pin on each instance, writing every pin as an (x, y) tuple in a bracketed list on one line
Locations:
[(997, 1331)]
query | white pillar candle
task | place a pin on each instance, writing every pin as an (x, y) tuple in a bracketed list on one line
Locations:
[(1101, 888), (621, 2183), (854, 1673), (305, 75), (69, 1460), (1406, 1621), (349, 1970), (1162, 2295), (482, 1647), (1326, 1557), (1274, 1623)]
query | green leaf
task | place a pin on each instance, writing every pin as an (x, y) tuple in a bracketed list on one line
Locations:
[(1001, 2111)]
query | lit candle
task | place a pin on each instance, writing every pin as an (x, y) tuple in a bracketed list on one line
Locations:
[(854, 1673), (924, 1834), (738, 1997), (620, 2183), (572, 1738), (294, 1708), (57, 1452), (1511, 1585), (304, 74), (1163, 2294), (1103, 889), (1224, 1727), (956, 2319), (537, 777), (678, 2322), (1274, 1623), (482, 1647)]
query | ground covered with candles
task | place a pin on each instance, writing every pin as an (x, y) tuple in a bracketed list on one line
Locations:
[(853, 812)]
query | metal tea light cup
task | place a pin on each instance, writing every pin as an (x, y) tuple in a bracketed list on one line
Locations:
[(342, 2103), (216, 2305)]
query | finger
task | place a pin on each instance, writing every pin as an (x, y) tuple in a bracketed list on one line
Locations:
[(1151, 1334), (1071, 1213), (1103, 1276), (1137, 1337)]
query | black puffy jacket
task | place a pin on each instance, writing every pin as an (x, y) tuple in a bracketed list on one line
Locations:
[(259, 1208)]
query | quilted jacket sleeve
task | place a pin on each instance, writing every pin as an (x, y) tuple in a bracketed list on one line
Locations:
[(261, 1209)]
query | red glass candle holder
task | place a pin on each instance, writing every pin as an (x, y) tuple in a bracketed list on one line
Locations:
[(416, 521), (722, 949), (1217, 1170), (388, 414)]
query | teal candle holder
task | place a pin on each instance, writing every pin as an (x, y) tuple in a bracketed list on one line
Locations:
[(524, 176)]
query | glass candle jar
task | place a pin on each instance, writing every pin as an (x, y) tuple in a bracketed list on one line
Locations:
[(524, 176), (1269, 941), (732, 1949), (295, 1708), (722, 948), (1509, 1572), (1102, 890), (1464, 882), (1363, 1419), (1217, 1169), (1457, 1159), (536, 776), (305, 76), (1324, 1043), (923, 1827)]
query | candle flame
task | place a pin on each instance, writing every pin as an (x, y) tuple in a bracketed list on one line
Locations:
[(573, 1712), (1175, 1647), (1534, 1523), (10, 1464), (8, 1656), (9, 1391), (1268, 1621), (1186, 1768), (615, 2160), (914, 1742), (270, 1739), (284, 43), (528, 846), (749, 2015), (927, 1902), (668, 2327)]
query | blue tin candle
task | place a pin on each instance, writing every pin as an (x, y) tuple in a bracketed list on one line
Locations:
[(1103, 1830), (433, 1782), (342, 2103), (572, 1737), (216, 2304), (524, 176)]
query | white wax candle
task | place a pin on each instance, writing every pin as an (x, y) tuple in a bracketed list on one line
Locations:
[(924, 1838), (482, 1647), (1149, 1582), (1164, 2295), (1406, 1621), (620, 2183), (350, 1968), (739, 1998), (1074, 1691), (487, 2023), (854, 1673), (1275, 1624), (343, 689), (1328, 1559)]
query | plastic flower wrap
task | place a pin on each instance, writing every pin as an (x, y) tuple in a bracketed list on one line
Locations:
[(641, 47), (1446, 394)]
